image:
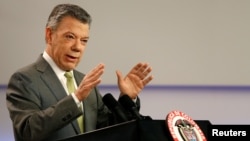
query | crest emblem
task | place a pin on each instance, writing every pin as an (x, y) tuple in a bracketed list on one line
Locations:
[(183, 128)]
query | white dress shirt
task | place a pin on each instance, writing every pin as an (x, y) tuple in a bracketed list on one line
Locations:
[(60, 74)]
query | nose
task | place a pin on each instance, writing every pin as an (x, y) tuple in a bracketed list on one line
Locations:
[(77, 47)]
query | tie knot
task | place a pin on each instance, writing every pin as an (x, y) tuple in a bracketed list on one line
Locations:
[(68, 74)]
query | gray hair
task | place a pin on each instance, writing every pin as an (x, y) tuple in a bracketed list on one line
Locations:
[(62, 10)]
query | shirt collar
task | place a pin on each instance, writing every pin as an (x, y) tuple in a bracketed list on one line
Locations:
[(59, 72)]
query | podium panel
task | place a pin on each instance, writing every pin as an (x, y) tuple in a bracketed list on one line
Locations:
[(135, 130), (126, 131)]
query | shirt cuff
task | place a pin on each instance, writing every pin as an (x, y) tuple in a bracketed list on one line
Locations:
[(134, 100), (78, 103)]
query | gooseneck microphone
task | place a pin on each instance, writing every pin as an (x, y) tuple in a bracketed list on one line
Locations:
[(129, 105), (114, 107)]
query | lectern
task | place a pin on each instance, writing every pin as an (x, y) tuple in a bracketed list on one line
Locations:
[(135, 130)]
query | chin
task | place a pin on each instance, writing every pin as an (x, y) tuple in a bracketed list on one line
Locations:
[(69, 67)]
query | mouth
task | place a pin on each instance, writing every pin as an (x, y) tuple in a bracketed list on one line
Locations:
[(71, 58)]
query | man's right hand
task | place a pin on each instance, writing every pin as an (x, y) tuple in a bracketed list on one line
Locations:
[(89, 81)]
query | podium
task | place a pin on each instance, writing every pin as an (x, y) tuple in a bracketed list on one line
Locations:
[(135, 130)]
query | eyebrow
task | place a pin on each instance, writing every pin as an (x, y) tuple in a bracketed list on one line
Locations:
[(69, 32)]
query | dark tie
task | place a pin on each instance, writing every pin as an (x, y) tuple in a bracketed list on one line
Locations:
[(71, 89)]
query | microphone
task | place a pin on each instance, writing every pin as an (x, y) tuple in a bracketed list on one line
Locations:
[(114, 107), (128, 104)]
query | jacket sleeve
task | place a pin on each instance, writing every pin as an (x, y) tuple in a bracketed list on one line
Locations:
[(30, 121)]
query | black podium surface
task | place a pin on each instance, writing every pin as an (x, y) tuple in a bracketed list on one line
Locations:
[(136, 130)]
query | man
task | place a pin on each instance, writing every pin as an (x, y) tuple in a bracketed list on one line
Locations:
[(40, 102)]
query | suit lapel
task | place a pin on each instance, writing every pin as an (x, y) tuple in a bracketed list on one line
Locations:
[(78, 78), (59, 92), (51, 80), (89, 103)]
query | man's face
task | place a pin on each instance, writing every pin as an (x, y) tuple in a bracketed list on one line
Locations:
[(66, 44)]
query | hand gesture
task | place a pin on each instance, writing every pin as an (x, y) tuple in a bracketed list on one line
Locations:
[(89, 81), (135, 80)]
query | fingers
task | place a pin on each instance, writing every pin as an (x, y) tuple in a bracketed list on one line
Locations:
[(142, 70), (96, 72), (89, 81), (93, 76), (147, 80), (119, 76)]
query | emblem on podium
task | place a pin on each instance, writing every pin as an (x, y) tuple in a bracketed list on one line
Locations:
[(183, 128)]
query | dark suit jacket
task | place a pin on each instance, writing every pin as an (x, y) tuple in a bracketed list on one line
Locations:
[(40, 109)]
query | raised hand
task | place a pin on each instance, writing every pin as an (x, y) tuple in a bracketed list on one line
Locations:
[(135, 80), (90, 80)]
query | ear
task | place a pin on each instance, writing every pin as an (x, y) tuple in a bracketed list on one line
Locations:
[(48, 35)]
